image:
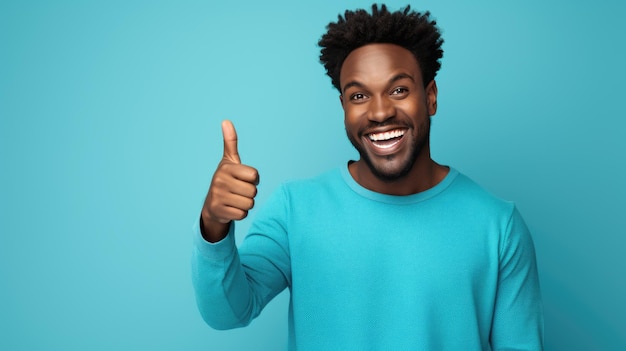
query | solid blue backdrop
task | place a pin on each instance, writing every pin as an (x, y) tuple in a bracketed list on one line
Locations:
[(109, 134)]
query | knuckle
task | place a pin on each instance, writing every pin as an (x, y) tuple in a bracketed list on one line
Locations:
[(226, 165), (217, 178), (213, 209)]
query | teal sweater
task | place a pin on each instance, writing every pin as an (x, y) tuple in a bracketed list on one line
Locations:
[(450, 268)]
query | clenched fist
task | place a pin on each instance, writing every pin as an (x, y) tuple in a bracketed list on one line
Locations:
[(232, 191)]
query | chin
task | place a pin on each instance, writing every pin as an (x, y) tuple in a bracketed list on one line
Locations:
[(388, 171)]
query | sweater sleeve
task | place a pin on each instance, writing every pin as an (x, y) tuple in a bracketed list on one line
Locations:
[(518, 317), (232, 285)]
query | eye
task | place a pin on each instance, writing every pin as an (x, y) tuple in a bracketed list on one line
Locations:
[(357, 97), (399, 91)]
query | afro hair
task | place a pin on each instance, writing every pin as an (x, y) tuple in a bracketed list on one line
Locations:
[(414, 31)]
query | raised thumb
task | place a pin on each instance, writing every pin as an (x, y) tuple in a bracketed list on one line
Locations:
[(230, 141)]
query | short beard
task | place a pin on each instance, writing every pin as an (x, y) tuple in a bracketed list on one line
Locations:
[(417, 146)]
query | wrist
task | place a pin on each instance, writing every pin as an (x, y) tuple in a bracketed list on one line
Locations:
[(212, 230)]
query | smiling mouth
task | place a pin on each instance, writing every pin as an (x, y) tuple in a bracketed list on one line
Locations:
[(386, 140)]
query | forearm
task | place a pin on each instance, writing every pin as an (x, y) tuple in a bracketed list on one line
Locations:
[(223, 294), (232, 285)]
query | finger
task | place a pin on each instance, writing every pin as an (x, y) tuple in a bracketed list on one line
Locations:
[(227, 214), (239, 202), (230, 141), (225, 184), (234, 214), (244, 189), (231, 207), (239, 172)]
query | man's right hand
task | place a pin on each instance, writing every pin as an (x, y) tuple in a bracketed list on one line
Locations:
[(232, 191)]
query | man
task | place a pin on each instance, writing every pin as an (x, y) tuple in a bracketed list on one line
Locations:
[(389, 252)]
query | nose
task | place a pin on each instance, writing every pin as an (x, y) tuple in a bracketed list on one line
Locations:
[(381, 109)]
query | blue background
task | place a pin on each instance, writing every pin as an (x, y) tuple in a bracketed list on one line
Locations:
[(109, 134)]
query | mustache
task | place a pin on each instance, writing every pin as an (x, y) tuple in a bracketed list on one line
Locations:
[(390, 122)]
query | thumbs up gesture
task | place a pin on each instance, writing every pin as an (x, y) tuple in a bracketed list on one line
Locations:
[(232, 191)]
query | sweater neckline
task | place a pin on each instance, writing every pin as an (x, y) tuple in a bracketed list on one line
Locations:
[(398, 199)]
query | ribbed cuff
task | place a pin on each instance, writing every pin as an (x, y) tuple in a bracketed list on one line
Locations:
[(218, 250)]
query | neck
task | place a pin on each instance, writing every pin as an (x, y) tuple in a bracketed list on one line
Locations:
[(424, 175)]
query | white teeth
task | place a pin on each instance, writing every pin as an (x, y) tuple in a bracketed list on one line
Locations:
[(386, 135)]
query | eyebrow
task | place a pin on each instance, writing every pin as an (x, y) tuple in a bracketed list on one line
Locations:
[(395, 78)]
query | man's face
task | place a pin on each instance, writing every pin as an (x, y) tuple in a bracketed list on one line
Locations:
[(387, 109)]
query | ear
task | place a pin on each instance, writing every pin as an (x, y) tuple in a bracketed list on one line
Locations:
[(341, 100), (431, 97)]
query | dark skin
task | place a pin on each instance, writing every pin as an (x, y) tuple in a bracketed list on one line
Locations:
[(384, 99), (232, 191), (383, 92)]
